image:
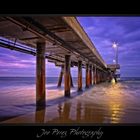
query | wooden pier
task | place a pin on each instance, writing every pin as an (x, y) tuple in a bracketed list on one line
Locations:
[(62, 41)]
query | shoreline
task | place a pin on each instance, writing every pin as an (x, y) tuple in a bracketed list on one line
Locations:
[(103, 103)]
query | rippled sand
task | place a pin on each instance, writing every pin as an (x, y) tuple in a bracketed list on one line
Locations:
[(103, 103)]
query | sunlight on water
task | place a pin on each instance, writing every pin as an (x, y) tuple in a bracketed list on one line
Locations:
[(115, 102)]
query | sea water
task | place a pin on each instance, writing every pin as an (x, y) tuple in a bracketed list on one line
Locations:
[(102, 103)]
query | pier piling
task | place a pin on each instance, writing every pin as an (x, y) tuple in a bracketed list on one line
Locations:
[(71, 80), (67, 84), (90, 73), (60, 76), (40, 74), (94, 75), (87, 76), (79, 75)]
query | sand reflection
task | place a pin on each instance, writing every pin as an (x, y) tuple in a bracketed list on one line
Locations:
[(104, 103), (116, 102)]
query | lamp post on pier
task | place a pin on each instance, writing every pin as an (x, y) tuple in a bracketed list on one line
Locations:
[(115, 46)]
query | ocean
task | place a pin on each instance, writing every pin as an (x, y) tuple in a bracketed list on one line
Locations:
[(101, 103)]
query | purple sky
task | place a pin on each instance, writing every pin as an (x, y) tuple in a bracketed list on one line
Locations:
[(103, 31)]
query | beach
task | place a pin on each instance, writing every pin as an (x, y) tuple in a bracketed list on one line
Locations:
[(101, 103)]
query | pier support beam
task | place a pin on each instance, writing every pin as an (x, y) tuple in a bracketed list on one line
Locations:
[(105, 77), (102, 77), (40, 75), (87, 76), (71, 81), (60, 76), (97, 76), (67, 84), (94, 75), (79, 75), (90, 73)]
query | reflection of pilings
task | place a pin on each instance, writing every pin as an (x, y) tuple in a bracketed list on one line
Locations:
[(87, 113), (60, 76), (87, 75), (79, 75), (67, 76), (40, 115), (92, 114), (66, 110), (60, 111), (40, 74), (78, 113)]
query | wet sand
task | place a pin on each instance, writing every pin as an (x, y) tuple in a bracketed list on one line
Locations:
[(103, 103)]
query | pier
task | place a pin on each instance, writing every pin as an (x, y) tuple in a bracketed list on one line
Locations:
[(63, 42)]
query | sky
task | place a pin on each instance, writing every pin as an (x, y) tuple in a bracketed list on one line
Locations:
[(102, 31)]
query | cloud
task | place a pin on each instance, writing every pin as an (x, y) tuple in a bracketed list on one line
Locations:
[(103, 31), (13, 65)]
